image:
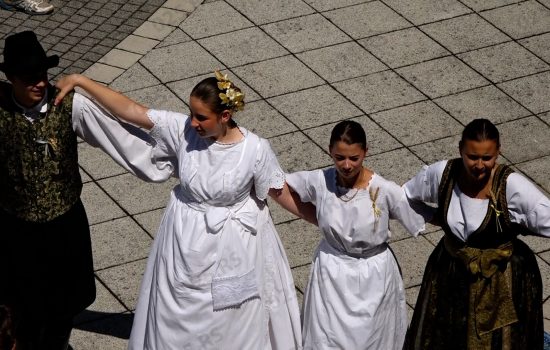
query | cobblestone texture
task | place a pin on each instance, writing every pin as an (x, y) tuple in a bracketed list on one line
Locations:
[(80, 32)]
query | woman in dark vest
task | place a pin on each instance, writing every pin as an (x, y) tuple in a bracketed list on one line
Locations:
[(482, 287)]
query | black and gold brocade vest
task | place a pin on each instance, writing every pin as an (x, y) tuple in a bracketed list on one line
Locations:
[(39, 177), (486, 256), (496, 226)]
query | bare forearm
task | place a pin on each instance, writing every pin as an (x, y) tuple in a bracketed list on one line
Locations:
[(291, 202), (115, 102)]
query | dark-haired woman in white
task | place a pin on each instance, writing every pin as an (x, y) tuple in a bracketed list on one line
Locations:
[(217, 276), (355, 297)]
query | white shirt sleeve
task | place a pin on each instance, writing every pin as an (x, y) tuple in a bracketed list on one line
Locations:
[(168, 131), (300, 182), (267, 171), (527, 205), (424, 186), (128, 145), (401, 210)]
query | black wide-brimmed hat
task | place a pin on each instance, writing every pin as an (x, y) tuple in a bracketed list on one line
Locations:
[(23, 54)]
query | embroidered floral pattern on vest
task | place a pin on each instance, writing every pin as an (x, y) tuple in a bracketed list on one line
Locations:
[(39, 177)]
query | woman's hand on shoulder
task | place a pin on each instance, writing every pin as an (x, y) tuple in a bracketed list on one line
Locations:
[(116, 103), (291, 201), (66, 85)]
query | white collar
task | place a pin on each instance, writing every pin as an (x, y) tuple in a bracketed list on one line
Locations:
[(36, 111)]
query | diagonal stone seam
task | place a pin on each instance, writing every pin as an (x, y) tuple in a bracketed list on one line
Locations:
[(143, 40)]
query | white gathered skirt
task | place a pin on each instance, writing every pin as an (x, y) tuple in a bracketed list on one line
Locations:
[(354, 303), (175, 310)]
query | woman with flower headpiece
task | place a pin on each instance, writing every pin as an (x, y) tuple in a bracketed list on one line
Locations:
[(217, 276), (355, 297), (482, 287)]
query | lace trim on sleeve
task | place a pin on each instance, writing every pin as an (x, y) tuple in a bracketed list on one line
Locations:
[(276, 181), (272, 176), (159, 125)]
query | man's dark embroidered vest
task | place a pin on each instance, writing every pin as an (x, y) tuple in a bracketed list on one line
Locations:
[(39, 177)]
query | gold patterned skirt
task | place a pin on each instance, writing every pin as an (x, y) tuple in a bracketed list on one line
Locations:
[(442, 312)]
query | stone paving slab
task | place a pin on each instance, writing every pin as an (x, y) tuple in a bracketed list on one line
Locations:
[(104, 306), (531, 91), (411, 72), (278, 76), (464, 33), (403, 47), (341, 61), (442, 76), (305, 33), (314, 107), (379, 91), (409, 123), (132, 243), (100, 207), (487, 101), (503, 62)]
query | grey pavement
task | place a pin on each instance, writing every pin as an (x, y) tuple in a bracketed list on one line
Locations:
[(413, 73), (81, 32)]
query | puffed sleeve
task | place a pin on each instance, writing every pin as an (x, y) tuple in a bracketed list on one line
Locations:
[(131, 147), (267, 171), (302, 182), (401, 210), (424, 185), (168, 131), (527, 205)]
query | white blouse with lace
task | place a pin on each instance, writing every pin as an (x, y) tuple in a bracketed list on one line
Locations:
[(355, 297), (217, 276), (527, 205)]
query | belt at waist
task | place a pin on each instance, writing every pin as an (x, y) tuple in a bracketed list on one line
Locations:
[(366, 253), (490, 286), (232, 284), (244, 212)]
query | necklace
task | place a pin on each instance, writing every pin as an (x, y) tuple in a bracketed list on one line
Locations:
[(346, 196)]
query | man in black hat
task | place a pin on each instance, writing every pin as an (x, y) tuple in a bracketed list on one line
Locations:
[(46, 269)]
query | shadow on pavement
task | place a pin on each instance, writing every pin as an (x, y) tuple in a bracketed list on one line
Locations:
[(113, 324)]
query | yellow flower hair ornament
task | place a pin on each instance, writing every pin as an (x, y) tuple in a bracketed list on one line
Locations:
[(231, 97)]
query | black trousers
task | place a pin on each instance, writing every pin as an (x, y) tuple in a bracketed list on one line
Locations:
[(46, 275), (35, 335)]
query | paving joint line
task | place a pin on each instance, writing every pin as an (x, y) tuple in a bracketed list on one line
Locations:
[(105, 70)]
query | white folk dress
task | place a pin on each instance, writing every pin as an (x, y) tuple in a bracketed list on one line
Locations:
[(217, 276), (355, 297)]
